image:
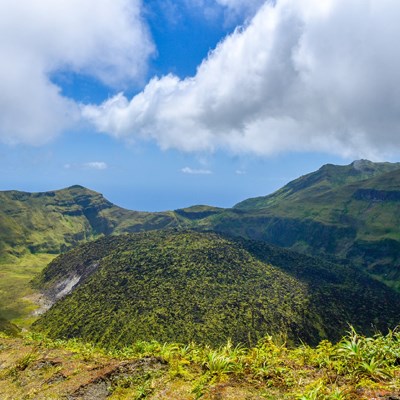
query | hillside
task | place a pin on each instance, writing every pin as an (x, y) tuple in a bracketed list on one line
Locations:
[(54, 221), (328, 177), (356, 368), (190, 286), (345, 212)]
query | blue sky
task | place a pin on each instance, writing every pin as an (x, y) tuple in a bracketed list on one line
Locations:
[(162, 105)]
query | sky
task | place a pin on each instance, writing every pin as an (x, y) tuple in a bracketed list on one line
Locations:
[(163, 104)]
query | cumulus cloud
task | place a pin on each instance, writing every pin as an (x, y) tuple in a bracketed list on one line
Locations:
[(306, 75), (97, 165), (192, 171), (105, 39)]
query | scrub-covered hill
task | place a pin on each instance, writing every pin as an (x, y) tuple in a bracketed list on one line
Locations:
[(190, 286)]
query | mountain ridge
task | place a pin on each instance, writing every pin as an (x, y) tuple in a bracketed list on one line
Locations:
[(329, 176)]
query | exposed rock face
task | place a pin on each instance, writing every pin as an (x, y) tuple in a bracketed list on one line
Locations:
[(64, 286)]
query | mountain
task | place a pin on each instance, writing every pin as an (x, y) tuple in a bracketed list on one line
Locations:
[(348, 212), (328, 177), (337, 210), (188, 286), (54, 221)]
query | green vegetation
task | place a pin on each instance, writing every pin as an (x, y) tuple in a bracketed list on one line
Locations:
[(8, 328), (184, 314), (180, 286), (347, 212), (189, 286), (355, 368), (17, 298), (35, 227), (55, 221), (327, 178)]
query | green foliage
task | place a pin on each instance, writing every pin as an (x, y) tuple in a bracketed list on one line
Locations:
[(368, 357), (225, 360), (348, 212), (15, 291), (343, 293), (179, 286), (186, 286), (52, 222), (7, 328), (328, 177), (326, 372)]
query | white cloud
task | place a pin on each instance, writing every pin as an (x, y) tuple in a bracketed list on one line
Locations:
[(191, 171), (105, 39), (96, 165), (306, 75)]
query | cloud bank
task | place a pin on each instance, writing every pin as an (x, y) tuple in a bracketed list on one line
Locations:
[(105, 39), (306, 75)]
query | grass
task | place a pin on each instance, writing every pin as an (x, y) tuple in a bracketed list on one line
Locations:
[(355, 368), (15, 289)]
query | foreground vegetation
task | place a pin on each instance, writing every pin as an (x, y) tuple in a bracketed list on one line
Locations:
[(357, 367)]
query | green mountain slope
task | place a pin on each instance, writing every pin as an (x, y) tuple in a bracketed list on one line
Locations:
[(347, 212), (332, 203), (52, 222), (328, 177), (190, 286)]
